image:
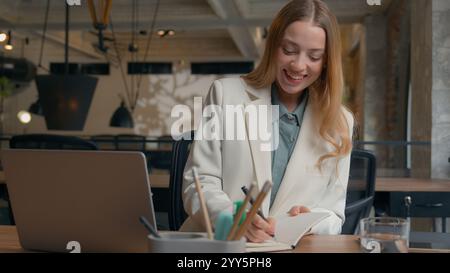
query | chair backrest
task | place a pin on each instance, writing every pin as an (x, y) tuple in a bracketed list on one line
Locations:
[(360, 190), (161, 157), (50, 142), (180, 153)]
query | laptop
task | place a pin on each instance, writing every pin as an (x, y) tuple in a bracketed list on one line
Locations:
[(88, 201)]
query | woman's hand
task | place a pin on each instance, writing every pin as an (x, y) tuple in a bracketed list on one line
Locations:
[(296, 210), (259, 230)]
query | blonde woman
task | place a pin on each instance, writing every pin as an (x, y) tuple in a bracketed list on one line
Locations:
[(300, 72)]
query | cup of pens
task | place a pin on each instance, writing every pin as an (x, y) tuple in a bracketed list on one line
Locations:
[(229, 229)]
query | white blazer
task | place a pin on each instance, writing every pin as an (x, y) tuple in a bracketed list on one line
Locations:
[(226, 165)]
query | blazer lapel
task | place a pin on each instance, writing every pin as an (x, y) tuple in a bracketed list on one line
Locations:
[(298, 157), (262, 158)]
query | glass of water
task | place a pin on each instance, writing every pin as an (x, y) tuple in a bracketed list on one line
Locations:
[(384, 235)]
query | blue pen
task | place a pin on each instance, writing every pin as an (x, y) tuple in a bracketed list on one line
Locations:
[(224, 223)]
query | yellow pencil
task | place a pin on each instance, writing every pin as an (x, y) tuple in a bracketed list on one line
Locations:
[(259, 199), (238, 215), (203, 207)]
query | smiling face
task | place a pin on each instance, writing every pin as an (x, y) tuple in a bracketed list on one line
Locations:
[(300, 57)]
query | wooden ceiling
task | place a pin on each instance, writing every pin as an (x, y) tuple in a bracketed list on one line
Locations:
[(205, 29)]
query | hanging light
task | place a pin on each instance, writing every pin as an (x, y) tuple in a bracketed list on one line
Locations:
[(36, 108), (3, 37), (9, 45), (165, 32), (122, 117), (24, 117)]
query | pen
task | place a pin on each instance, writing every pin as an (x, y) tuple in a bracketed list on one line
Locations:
[(244, 189), (149, 227), (203, 207), (259, 199), (239, 214)]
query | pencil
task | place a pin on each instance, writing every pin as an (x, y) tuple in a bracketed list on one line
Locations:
[(244, 189), (203, 207), (259, 199), (238, 215)]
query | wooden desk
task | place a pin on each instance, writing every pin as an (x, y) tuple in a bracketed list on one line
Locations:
[(328, 244), (382, 184), (9, 243), (411, 185), (9, 240), (430, 197)]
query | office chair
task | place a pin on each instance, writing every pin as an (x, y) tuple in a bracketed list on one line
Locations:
[(161, 157), (180, 153), (49, 142), (360, 190)]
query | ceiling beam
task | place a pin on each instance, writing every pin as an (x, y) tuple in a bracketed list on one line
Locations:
[(249, 45)]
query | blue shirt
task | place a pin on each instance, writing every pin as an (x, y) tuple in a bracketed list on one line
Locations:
[(289, 124)]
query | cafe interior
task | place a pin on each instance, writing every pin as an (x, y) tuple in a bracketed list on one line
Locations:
[(106, 75)]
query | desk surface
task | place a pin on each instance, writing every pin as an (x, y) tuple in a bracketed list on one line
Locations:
[(382, 184), (412, 185), (9, 243)]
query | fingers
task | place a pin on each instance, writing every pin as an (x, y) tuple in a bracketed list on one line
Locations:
[(256, 235), (296, 210), (260, 223), (272, 223), (260, 230)]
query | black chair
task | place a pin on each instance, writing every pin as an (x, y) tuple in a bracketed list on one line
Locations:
[(161, 158), (48, 142), (360, 190), (180, 153)]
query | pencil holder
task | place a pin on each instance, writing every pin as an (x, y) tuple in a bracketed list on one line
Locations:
[(192, 242)]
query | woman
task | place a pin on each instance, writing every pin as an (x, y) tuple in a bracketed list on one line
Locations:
[(301, 72)]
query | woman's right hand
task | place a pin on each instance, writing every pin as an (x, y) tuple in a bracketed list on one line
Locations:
[(260, 230)]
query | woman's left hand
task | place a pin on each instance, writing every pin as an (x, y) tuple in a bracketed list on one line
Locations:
[(296, 210)]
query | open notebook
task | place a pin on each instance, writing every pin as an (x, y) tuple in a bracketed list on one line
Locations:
[(288, 231)]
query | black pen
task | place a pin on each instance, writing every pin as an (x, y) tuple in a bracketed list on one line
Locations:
[(149, 227), (245, 191)]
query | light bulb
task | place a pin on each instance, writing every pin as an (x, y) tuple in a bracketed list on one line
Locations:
[(3, 37), (24, 117)]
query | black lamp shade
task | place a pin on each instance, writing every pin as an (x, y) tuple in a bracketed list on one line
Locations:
[(122, 118), (36, 108), (65, 100)]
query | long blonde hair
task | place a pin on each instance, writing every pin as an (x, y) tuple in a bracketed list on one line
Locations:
[(326, 92)]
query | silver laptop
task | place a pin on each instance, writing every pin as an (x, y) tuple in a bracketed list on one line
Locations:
[(79, 200)]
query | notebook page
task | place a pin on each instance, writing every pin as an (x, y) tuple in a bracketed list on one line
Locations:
[(289, 230)]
